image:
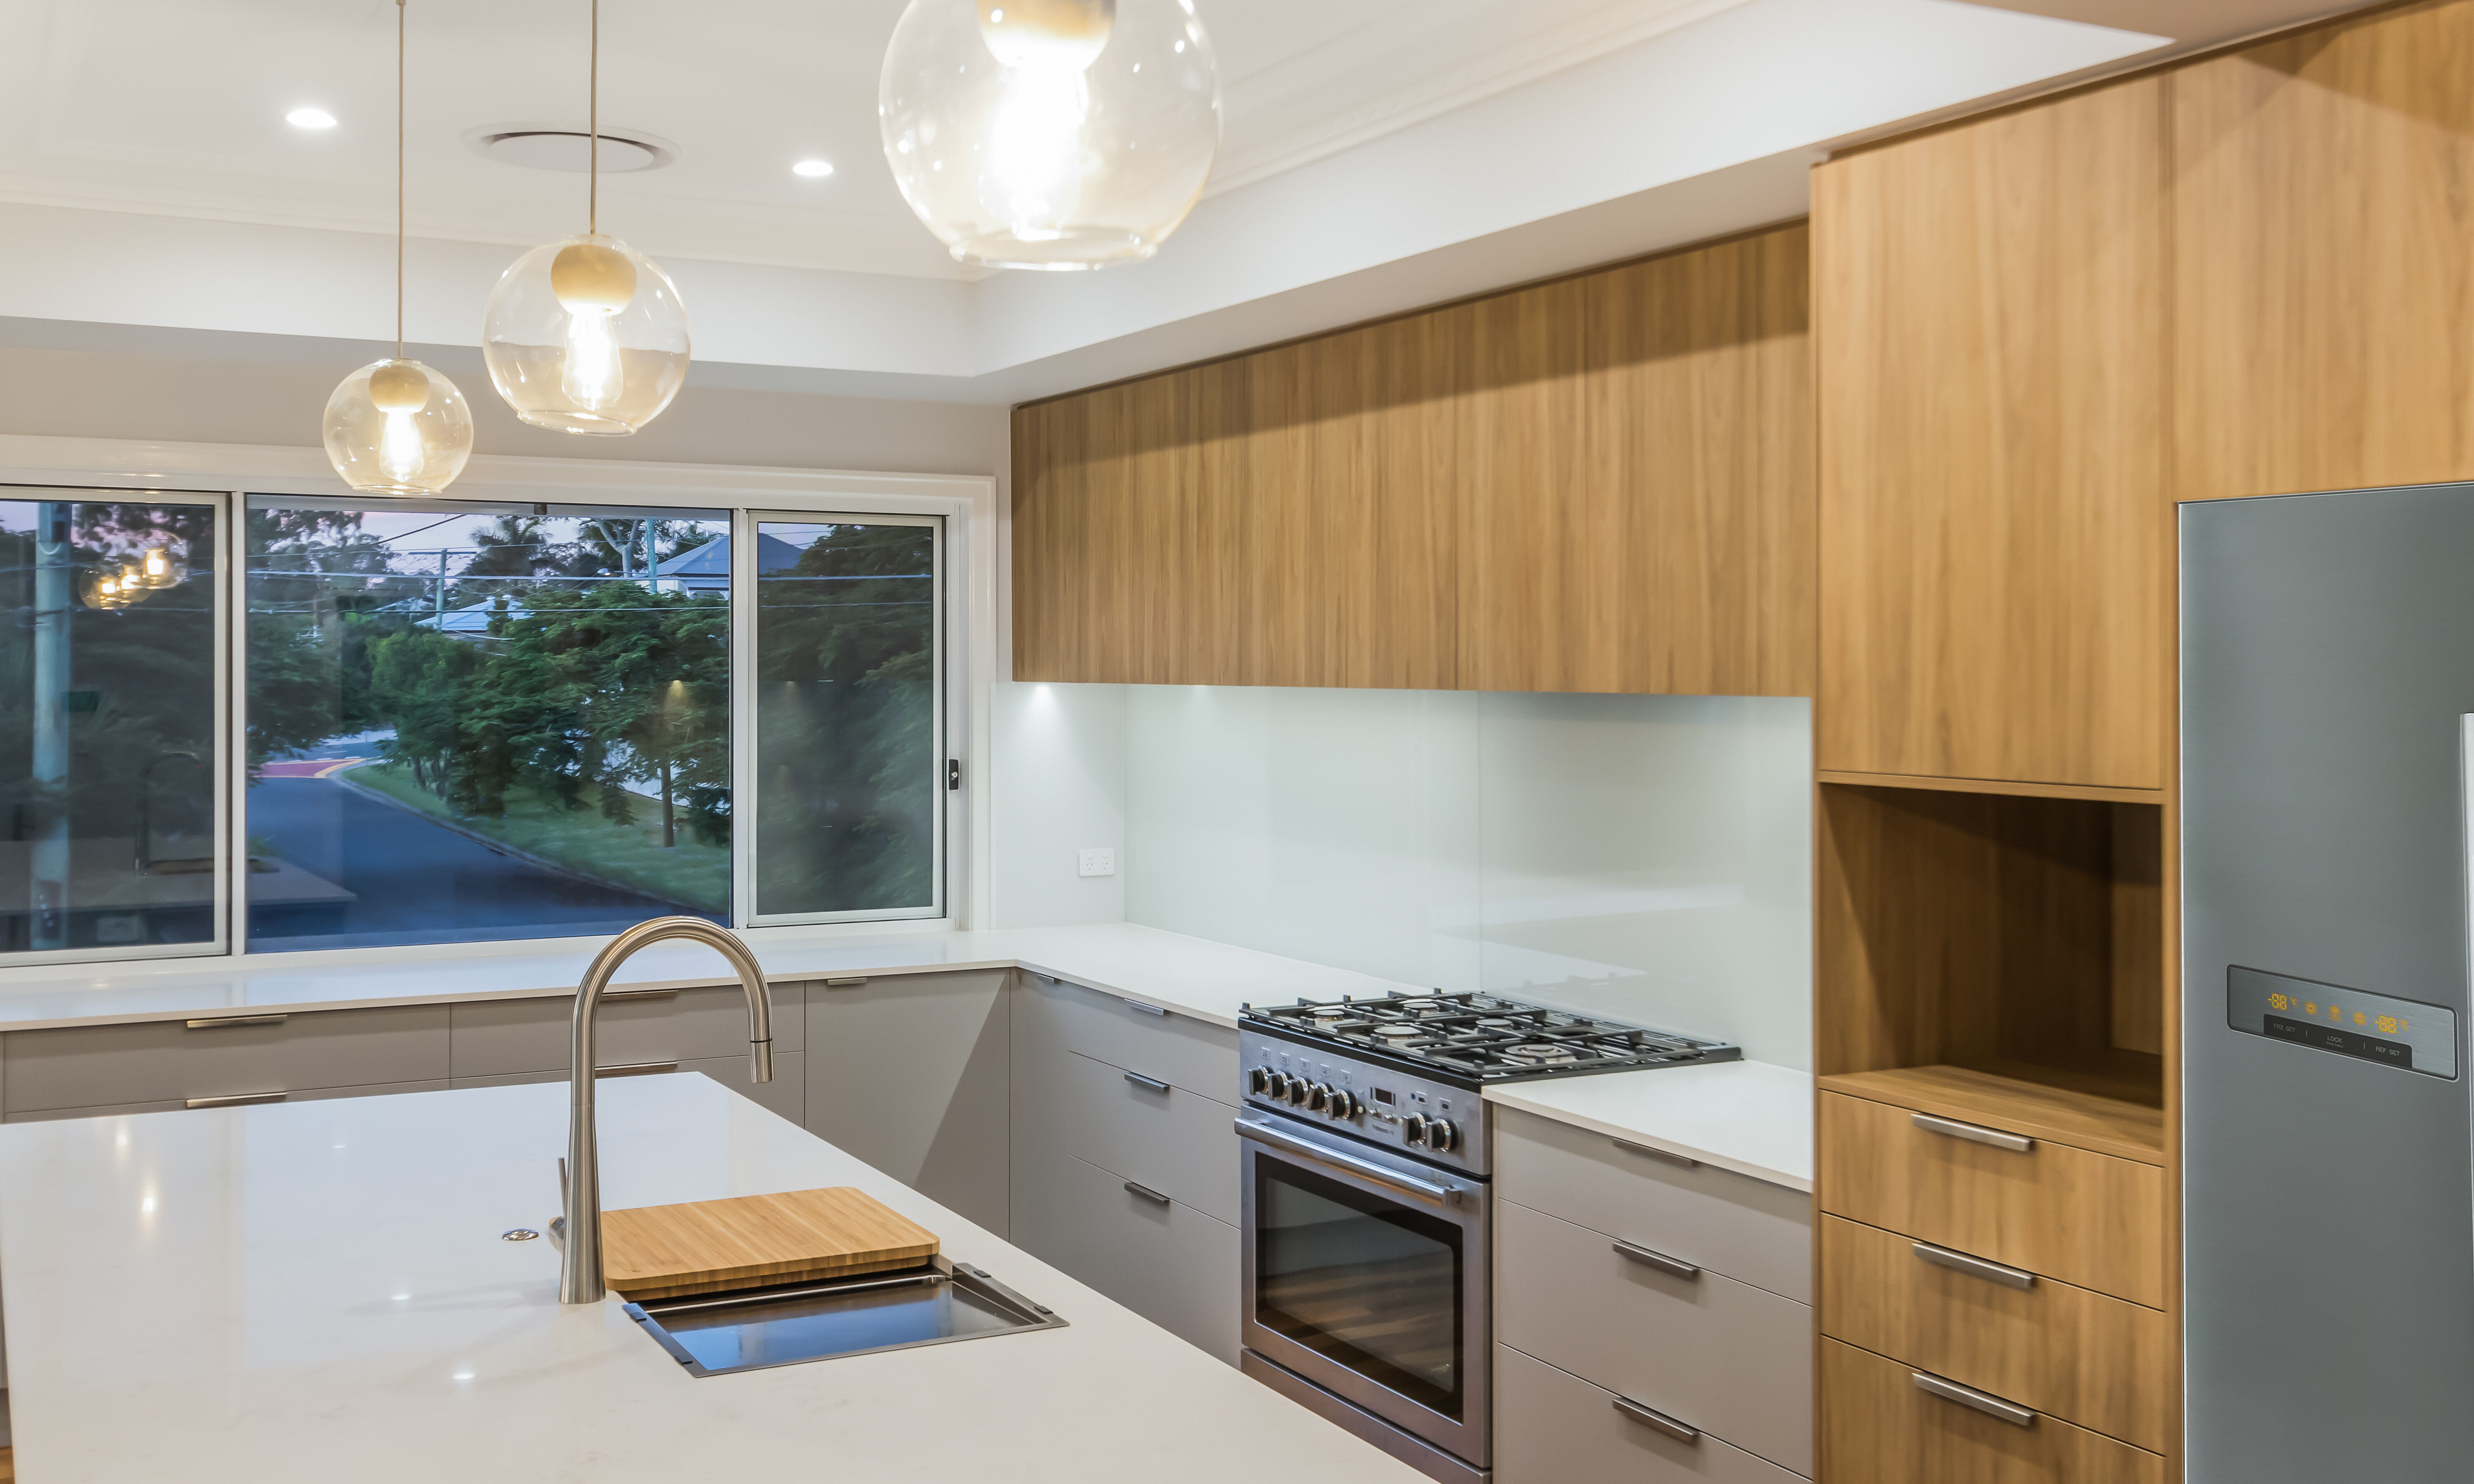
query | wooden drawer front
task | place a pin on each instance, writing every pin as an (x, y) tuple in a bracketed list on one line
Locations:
[(1747, 1229), (2082, 1356), (1551, 1427), (1179, 1050), (165, 1062), (1878, 1428), (1172, 1264), (1731, 1359), (1180, 1143), (2088, 1219), (495, 1037), (307, 1095), (786, 1094)]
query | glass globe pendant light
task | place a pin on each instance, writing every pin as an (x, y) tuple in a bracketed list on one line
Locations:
[(1050, 134), (587, 335), (394, 427)]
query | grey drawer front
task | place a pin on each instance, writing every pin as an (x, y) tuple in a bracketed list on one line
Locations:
[(1180, 1050), (1717, 1219), (786, 1094), (496, 1036), (1727, 1357), (1178, 1143), (310, 1095), (1172, 1264), (1551, 1427), (163, 1061)]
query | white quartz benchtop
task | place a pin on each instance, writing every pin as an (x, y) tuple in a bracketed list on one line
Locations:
[(1195, 977), (318, 1291), (1751, 1117)]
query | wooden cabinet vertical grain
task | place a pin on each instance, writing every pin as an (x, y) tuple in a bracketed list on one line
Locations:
[(1639, 443), (1603, 483), (2324, 258), (1987, 304), (1878, 1428)]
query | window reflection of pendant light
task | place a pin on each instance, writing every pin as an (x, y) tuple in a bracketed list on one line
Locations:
[(587, 335), (1050, 134), (396, 426)]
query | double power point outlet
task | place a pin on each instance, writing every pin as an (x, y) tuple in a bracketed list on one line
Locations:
[(1098, 860)]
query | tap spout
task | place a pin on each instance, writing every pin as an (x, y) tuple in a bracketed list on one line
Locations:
[(579, 1274)]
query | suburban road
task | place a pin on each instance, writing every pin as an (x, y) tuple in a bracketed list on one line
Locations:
[(414, 882)]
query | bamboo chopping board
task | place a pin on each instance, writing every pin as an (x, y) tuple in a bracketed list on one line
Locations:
[(661, 1252)]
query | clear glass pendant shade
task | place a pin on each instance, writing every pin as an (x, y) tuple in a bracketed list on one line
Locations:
[(396, 427), (585, 336), (1050, 134)]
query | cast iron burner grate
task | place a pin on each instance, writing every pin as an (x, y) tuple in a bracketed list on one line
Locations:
[(1486, 1037)]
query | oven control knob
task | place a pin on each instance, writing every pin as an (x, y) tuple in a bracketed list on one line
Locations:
[(1415, 1130), (1341, 1104), (1259, 1081), (1298, 1090), (1318, 1097), (1441, 1136), (1274, 1085)]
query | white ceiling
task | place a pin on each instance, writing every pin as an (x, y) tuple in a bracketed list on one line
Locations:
[(1376, 154)]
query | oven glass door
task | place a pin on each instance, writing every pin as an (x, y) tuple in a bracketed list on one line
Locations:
[(1376, 1295), (1363, 1281)]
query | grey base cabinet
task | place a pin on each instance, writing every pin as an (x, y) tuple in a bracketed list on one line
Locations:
[(1164, 1260), (1553, 1427), (786, 1094), (911, 1073)]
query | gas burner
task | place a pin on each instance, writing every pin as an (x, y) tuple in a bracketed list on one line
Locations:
[(1326, 1015), (1430, 1009), (1539, 1054), (1400, 1034), (1498, 1023)]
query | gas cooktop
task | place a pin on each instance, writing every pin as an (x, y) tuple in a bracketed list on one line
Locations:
[(1474, 1039)]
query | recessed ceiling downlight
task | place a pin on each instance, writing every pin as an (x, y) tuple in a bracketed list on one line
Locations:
[(563, 148), (310, 118), (812, 169)]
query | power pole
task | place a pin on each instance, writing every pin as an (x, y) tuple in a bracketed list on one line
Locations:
[(53, 580)]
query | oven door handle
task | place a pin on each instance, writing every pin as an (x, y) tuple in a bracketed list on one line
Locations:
[(1364, 1169)]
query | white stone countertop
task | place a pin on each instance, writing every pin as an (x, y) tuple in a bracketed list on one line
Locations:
[(317, 1291), (1194, 976), (1752, 1117)]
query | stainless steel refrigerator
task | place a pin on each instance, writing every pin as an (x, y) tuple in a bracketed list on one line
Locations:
[(2328, 1204)]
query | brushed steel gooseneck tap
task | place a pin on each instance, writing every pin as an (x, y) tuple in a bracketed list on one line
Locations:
[(579, 1272)]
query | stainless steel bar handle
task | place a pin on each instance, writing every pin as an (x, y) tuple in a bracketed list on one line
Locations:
[(1975, 1267), (2009, 1412), (225, 1022), (1364, 1169), (847, 983), (1629, 1147), (1951, 1128), (1660, 1260), (1149, 1083), (635, 1068), (1651, 1416), (1148, 1010), (1148, 1193), (640, 995), (237, 1100)]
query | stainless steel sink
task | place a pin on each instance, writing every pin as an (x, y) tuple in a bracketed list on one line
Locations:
[(714, 1334)]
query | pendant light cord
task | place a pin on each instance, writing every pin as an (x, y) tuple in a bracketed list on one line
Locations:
[(593, 128), (398, 178)]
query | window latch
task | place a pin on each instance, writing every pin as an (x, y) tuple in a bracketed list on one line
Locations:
[(953, 773)]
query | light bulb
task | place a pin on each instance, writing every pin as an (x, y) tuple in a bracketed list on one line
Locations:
[(1031, 177), (593, 378), (401, 455)]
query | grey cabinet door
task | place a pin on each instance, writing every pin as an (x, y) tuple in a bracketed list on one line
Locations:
[(1749, 1230), (492, 1037), (171, 1061), (1177, 1049), (1167, 1261), (1724, 1357), (1552, 1427), (786, 1094), (909, 1072)]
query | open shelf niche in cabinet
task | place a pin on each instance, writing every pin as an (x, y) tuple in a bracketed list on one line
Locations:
[(1995, 958)]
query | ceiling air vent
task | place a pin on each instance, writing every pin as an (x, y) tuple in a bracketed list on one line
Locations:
[(566, 147)]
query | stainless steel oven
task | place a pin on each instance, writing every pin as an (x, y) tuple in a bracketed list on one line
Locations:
[(1365, 1276)]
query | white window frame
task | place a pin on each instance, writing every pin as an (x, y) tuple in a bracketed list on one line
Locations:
[(966, 504)]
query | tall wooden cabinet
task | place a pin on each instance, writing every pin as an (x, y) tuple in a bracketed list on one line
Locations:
[(1602, 482)]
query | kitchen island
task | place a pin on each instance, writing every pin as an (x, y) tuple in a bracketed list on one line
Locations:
[(318, 1290)]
